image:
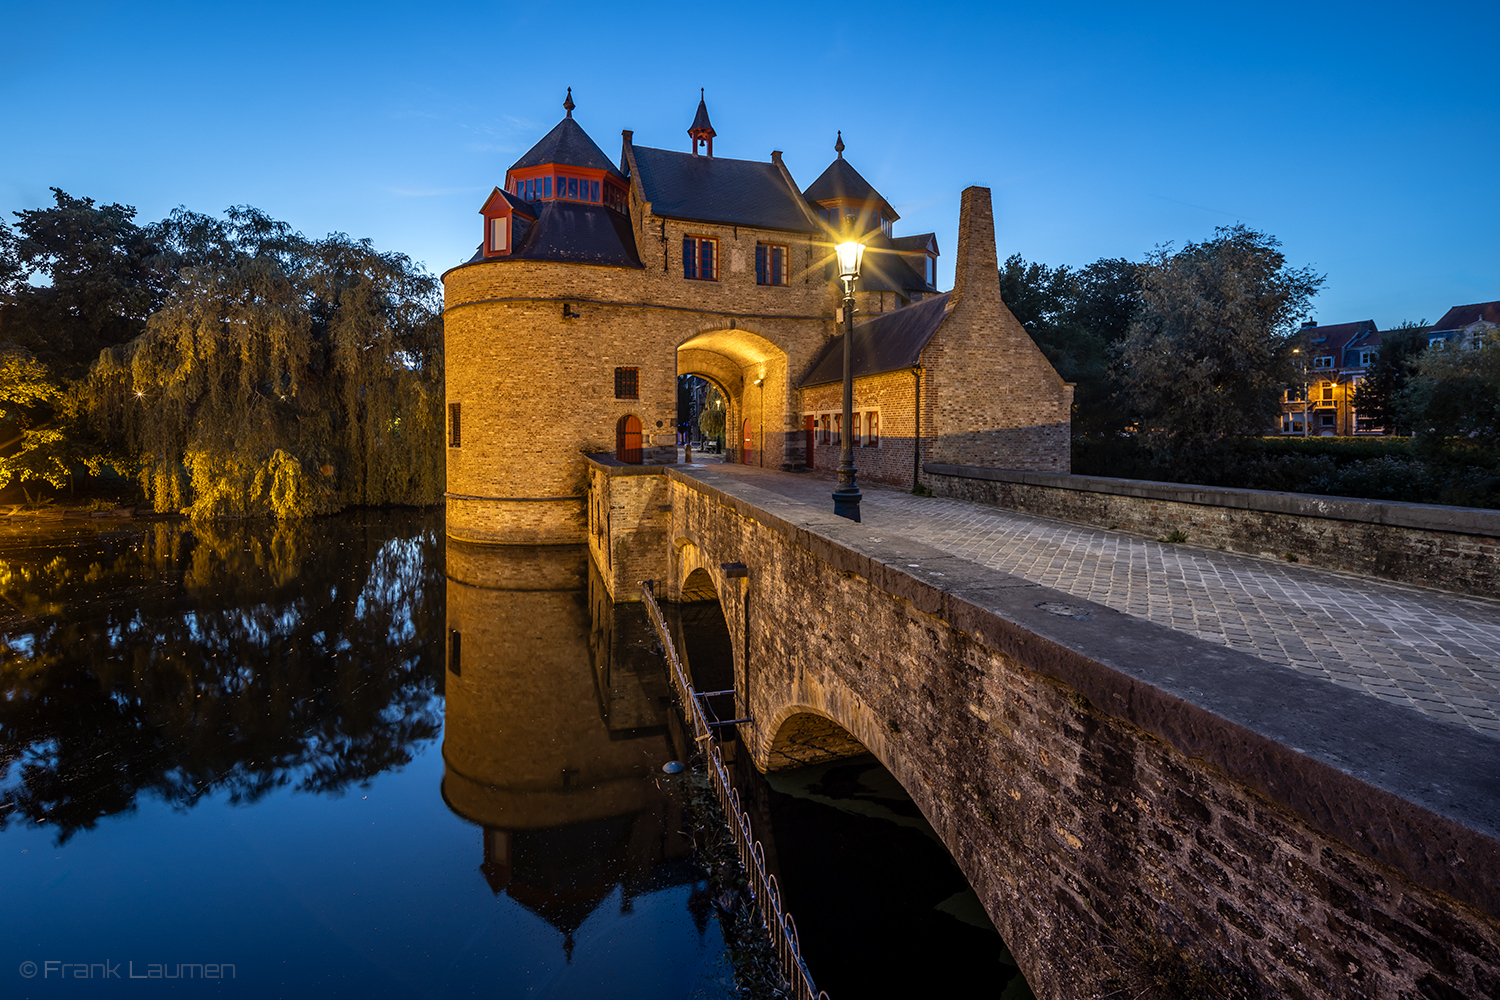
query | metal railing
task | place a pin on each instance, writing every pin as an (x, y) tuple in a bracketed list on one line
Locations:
[(763, 888)]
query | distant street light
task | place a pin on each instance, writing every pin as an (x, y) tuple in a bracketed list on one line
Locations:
[(846, 497)]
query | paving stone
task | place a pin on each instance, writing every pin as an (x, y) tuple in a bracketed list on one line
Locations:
[(1442, 649)]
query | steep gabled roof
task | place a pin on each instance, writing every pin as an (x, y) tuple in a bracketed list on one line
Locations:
[(920, 243), (841, 180), (886, 271), (567, 144), (1462, 317), (720, 190), (1335, 336), (887, 343)]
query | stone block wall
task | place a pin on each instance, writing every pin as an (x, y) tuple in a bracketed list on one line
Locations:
[(1124, 841), (629, 522), (1449, 548)]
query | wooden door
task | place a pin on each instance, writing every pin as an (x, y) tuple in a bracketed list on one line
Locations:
[(749, 443), (628, 440)]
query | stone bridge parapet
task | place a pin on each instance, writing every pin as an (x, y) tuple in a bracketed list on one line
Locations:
[(1139, 810)]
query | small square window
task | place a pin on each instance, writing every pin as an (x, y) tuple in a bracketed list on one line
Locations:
[(770, 264), (1326, 420), (627, 383), (700, 258)]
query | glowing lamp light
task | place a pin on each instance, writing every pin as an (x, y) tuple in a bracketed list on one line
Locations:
[(850, 255)]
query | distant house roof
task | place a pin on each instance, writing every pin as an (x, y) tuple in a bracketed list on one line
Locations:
[(841, 180), (572, 231), (1463, 317), (716, 189), (567, 144), (887, 343), (1336, 336)]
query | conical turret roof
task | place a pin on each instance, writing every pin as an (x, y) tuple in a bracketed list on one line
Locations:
[(569, 145), (701, 124), (841, 180)]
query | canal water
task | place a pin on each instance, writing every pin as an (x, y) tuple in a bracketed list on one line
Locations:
[(349, 758)]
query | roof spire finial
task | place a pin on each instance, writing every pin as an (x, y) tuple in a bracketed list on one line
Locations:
[(568, 104), (838, 147), (702, 131)]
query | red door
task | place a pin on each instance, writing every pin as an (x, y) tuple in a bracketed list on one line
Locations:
[(628, 440), (749, 443), (812, 436)]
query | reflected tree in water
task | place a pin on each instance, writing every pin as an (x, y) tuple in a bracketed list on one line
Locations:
[(214, 659)]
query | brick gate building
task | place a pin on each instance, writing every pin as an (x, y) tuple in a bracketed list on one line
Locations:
[(597, 283)]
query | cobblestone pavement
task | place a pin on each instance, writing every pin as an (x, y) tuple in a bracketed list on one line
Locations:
[(1434, 652)]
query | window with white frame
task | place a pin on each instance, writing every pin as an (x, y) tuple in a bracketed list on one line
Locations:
[(1326, 361)]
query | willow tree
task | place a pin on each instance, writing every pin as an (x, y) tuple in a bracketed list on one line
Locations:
[(281, 376)]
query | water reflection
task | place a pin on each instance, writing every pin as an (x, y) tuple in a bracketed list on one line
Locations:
[(557, 724), (222, 744), (185, 661)]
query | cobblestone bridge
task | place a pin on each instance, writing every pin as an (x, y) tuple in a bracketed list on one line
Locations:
[(1179, 770)]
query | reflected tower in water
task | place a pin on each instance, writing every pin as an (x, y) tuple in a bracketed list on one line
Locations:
[(555, 733)]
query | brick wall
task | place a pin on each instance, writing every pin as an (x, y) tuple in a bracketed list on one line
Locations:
[(1125, 841), (1450, 548), (1020, 414), (893, 395)]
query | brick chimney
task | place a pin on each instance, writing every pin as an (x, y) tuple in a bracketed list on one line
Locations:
[(977, 269)]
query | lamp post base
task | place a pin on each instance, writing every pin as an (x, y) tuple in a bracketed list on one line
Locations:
[(846, 498)]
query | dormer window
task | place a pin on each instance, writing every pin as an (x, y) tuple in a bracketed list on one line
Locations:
[(1323, 362)]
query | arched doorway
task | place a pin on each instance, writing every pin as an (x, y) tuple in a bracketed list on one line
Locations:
[(628, 439), (748, 444)]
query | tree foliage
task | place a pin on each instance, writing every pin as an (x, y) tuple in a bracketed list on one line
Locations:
[(1209, 351), (1075, 317), (232, 364), (711, 418), (281, 376), (1453, 395), (1378, 393)]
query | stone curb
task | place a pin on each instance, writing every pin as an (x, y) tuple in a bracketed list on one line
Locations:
[(1426, 517)]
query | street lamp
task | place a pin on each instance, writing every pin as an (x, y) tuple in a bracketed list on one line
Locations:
[(846, 497)]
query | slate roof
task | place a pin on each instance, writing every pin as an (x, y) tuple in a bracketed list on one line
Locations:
[(1462, 317), (571, 231), (841, 180), (887, 343), (569, 145), (720, 190), (700, 120), (1335, 335), (915, 244), (883, 271)]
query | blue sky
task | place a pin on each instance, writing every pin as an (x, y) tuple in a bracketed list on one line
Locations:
[(1365, 136)]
